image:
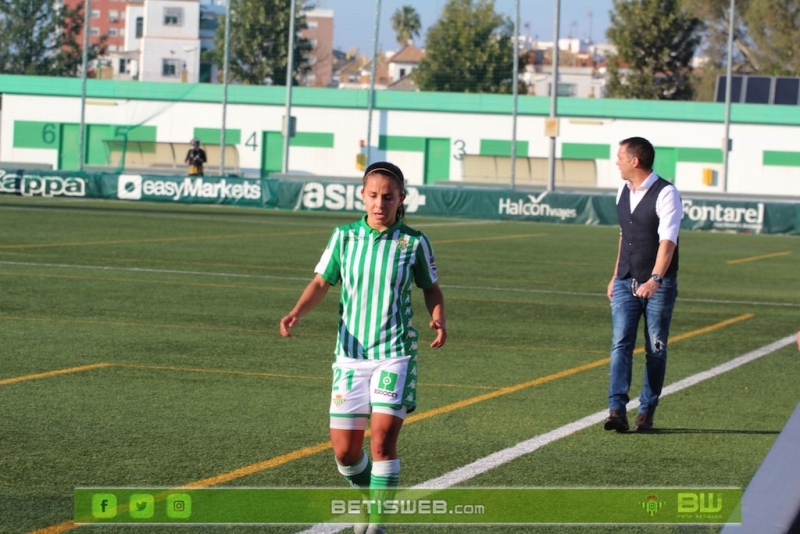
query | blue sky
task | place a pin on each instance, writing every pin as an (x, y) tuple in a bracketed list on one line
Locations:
[(354, 19)]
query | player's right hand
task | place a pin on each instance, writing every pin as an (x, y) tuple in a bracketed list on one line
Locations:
[(288, 322)]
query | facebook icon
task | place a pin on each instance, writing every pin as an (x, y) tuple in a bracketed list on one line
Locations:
[(104, 505)]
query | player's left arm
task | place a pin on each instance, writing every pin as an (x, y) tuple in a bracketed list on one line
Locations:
[(434, 301)]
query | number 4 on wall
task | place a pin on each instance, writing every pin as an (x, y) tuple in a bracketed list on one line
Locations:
[(251, 141)]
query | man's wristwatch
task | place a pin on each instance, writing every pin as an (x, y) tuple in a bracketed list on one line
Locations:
[(656, 278)]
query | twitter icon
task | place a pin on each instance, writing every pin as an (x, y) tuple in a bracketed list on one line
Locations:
[(141, 506)]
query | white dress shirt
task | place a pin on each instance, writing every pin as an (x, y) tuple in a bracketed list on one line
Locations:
[(669, 207)]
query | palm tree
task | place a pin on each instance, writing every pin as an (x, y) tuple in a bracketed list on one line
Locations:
[(406, 23)]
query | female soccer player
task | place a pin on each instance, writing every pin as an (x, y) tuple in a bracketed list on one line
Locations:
[(377, 260)]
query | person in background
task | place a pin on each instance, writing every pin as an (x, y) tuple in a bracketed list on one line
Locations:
[(195, 159), (378, 260), (644, 283)]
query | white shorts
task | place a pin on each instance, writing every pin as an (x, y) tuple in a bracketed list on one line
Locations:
[(361, 387)]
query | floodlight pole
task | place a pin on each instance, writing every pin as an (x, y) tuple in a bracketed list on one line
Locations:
[(85, 63), (728, 78), (515, 92), (287, 122), (374, 70), (551, 159), (225, 62)]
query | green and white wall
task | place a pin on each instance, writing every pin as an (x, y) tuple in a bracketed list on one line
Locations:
[(425, 133)]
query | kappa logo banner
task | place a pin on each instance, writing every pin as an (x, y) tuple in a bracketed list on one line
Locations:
[(32, 185)]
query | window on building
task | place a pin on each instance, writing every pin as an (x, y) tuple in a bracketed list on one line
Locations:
[(95, 13), (312, 24), (208, 21), (139, 27), (123, 65), (94, 31), (171, 68), (402, 73), (122, 32), (173, 16), (112, 48), (113, 15), (566, 89), (112, 32)]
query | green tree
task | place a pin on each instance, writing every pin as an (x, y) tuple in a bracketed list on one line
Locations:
[(656, 40), (468, 50), (406, 24), (773, 26), (259, 42), (714, 46), (39, 38)]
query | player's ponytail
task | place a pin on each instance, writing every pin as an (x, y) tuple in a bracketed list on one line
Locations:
[(392, 171)]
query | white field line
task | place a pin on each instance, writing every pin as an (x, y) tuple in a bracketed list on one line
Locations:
[(499, 458), (307, 278), (265, 218)]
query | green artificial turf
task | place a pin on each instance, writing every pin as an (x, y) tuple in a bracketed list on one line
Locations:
[(166, 318)]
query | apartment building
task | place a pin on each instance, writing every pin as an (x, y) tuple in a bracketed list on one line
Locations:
[(106, 17)]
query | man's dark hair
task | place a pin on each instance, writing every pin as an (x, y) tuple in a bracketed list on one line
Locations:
[(641, 148)]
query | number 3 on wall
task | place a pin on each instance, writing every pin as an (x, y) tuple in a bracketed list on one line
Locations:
[(459, 151)]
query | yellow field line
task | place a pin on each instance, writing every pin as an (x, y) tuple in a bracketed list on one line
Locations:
[(218, 371), (711, 328), (756, 258), (324, 446), (261, 466), (470, 239), (56, 529), (272, 375), (57, 372), (196, 370)]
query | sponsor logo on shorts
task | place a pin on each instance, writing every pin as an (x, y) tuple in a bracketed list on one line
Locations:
[(386, 384)]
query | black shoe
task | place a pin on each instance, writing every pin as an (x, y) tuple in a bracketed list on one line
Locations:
[(617, 420), (644, 422)]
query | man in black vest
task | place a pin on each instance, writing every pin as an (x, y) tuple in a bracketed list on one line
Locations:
[(645, 281)]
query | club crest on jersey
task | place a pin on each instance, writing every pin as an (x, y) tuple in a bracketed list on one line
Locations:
[(402, 244), (338, 400)]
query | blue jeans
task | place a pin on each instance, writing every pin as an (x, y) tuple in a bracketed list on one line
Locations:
[(626, 309)]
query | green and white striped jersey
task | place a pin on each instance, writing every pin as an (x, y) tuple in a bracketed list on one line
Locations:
[(377, 270)]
